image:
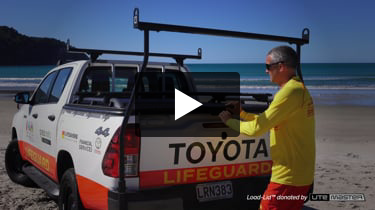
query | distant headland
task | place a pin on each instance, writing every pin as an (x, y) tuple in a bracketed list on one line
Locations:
[(19, 49)]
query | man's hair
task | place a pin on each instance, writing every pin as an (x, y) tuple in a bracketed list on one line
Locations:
[(284, 54)]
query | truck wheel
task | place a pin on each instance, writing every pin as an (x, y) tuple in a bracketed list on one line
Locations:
[(69, 196), (13, 165)]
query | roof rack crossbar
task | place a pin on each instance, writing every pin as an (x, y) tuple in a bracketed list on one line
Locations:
[(95, 53), (216, 32)]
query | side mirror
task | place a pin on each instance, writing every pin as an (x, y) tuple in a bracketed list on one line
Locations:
[(22, 98)]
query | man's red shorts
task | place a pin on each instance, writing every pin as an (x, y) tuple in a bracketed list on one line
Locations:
[(280, 197)]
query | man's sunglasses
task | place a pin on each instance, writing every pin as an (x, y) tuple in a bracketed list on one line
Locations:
[(268, 66)]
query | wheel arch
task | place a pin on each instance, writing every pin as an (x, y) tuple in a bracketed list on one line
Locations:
[(14, 134), (64, 162)]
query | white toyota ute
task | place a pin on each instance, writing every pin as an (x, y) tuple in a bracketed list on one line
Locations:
[(65, 139), (101, 134)]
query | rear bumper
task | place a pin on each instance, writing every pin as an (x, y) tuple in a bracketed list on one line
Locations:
[(184, 197)]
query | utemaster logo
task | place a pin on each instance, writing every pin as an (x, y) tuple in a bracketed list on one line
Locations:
[(338, 197)]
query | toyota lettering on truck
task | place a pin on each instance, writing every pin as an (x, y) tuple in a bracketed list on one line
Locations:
[(106, 134)]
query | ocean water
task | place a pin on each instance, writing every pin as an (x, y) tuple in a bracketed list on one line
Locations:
[(329, 84), (22, 77)]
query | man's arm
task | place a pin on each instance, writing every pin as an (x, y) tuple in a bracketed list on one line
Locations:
[(246, 116), (235, 107), (283, 106)]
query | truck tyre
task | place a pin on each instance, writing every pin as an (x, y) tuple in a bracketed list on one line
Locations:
[(69, 197), (13, 165)]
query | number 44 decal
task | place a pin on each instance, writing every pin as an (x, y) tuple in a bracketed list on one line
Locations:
[(100, 131)]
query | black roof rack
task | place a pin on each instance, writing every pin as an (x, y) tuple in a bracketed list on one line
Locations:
[(148, 26), (216, 32), (95, 53)]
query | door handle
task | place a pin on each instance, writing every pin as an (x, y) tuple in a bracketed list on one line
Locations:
[(51, 117), (35, 116)]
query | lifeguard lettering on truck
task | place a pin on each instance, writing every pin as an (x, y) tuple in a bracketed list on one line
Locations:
[(66, 140)]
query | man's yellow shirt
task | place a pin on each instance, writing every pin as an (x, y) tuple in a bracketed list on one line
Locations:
[(290, 119)]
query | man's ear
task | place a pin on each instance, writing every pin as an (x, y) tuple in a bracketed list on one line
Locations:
[(286, 68), (283, 67)]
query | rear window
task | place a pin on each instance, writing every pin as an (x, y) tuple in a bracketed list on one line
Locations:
[(101, 80), (159, 82), (124, 78), (100, 83), (96, 79)]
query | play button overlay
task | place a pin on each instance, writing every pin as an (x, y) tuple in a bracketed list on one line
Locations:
[(183, 104)]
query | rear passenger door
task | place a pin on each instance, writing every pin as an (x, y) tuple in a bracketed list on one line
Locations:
[(45, 111)]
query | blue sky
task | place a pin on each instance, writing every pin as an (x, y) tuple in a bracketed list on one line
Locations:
[(340, 30)]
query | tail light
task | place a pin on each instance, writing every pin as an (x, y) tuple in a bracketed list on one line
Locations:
[(111, 161)]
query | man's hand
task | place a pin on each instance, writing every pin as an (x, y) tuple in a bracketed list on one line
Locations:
[(234, 107), (225, 116)]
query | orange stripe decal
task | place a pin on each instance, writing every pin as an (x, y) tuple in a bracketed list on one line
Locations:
[(93, 195), (43, 161), (203, 174)]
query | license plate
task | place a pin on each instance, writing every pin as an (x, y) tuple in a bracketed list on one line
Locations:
[(214, 191)]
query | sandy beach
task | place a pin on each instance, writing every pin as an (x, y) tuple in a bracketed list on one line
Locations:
[(345, 161)]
